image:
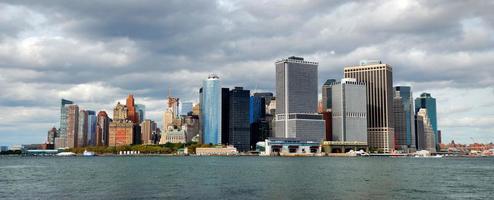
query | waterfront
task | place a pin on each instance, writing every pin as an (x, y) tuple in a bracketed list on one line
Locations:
[(245, 178)]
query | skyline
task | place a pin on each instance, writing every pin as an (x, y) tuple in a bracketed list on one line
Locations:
[(163, 48)]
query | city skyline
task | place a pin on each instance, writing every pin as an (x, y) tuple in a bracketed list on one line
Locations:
[(147, 58)]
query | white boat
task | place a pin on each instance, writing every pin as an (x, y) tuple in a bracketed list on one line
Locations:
[(88, 153), (65, 154)]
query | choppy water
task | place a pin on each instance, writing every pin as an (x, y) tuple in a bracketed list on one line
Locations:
[(245, 178)]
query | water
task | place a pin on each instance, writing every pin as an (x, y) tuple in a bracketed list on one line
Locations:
[(245, 178)]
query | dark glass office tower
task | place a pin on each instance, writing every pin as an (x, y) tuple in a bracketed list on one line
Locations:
[(225, 115), (405, 92), (239, 134), (259, 127)]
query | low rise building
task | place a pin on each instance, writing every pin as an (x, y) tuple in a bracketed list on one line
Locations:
[(288, 147), (217, 151)]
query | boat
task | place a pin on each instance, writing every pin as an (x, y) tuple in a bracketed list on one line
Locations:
[(65, 154), (88, 153)]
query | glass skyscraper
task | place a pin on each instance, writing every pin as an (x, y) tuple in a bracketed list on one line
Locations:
[(211, 110), (91, 128), (428, 102), (239, 134), (141, 111), (326, 94), (405, 92), (185, 108), (63, 117)]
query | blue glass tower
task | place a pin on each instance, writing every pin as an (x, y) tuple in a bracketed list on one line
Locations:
[(428, 102), (256, 109), (91, 129), (407, 102), (63, 117), (211, 110)]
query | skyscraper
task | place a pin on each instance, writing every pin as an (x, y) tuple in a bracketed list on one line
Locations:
[(61, 139), (131, 109), (91, 128), (406, 95), (425, 133), (239, 134), (83, 129), (349, 110), (225, 115), (211, 110), (52, 134), (102, 129), (378, 78), (428, 102), (400, 125), (296, 106), (173, 105), (72, 126), (326, 94)]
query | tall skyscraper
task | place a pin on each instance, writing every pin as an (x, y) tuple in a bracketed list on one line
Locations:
[(61, 139), (225, 115), (296, 106), (83, 129), (406, 95), (102, 129), (349, 110), (121, 128), (91, 128), (211, 110), (239, 134), (425, 133), (428, 102), (185, 108), (326, 94), (72, 126), (378, 78), (400, 125), (131, 109), (173, 105)]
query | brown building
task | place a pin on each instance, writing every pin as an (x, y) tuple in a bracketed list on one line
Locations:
[(328, 124), (52, 134), (378, 79), (102, 129), (131, 109), (72, 125), (121, 128)]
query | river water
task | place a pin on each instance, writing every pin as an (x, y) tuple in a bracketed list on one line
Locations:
[(245, 178)]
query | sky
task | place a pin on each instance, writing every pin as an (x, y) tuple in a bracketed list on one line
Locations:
[(95, 53)]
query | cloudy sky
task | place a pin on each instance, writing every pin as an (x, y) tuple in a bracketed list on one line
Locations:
[(97, 52)]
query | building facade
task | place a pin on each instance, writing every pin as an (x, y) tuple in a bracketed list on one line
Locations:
[(425, 100), (239, 134), (296, 101), (91, 128), (349, 111), (425, 133), (141, 112), (378, 79), (102, 129), (327, 94), (52, 134), (121, 129), (399, 114), (148, 128), (211, 110), (72, 126), (406, 95), (83, 129)]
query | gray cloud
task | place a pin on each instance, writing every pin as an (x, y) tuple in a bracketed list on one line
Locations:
[(97, 52)]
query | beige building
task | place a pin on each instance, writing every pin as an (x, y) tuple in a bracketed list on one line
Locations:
[(148, 127), (173, 136), (72, 126), (378, 79)]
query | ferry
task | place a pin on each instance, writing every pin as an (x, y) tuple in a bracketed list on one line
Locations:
[(65, 154), (88, 153)]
